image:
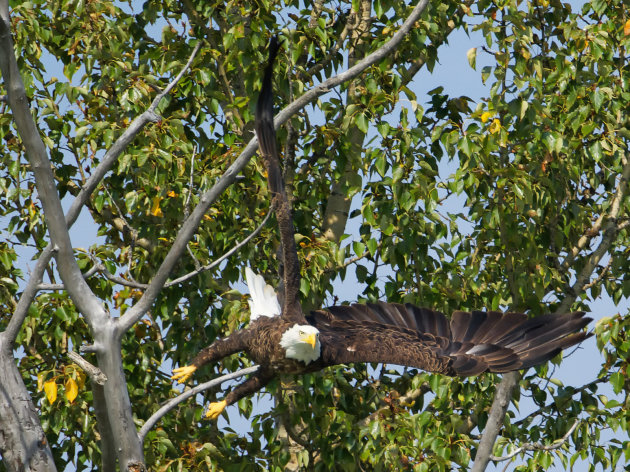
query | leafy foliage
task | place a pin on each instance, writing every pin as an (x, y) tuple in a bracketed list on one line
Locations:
[(537, 165)]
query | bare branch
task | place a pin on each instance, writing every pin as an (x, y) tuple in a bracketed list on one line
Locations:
[(215, 263), (169, 405), (600, 277), (191, 224), (86, 275), (41, 167), (28, 295), (95, 374), (538, 446), (108, 161)]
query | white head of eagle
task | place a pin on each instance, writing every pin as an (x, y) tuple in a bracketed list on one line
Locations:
[(301, 342)]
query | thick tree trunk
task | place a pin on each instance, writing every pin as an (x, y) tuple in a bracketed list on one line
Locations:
[(23, 445)]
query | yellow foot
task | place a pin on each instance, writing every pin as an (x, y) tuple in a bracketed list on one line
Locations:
[(183, 373), (215, 409)]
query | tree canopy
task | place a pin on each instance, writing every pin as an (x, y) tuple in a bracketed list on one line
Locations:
[(142, 114)]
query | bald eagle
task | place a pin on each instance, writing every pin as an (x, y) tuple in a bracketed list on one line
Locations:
[(283, 340)]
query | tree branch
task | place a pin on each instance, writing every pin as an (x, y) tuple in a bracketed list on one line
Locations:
[(191, 224), (95, 374), (236, 248), (172, 403), (538, 446)]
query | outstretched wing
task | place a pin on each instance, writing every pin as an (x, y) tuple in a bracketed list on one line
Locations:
[(268, 149), (469, 344), (263, 300)]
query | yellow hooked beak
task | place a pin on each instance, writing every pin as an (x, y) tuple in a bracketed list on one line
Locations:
[(310, 339)]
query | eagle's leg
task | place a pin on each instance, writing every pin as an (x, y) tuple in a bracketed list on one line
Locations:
[(216, 351), (251, 385)]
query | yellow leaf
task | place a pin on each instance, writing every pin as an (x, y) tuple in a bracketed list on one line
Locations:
[(72, 389), (495, 127), (171, 194), (40, 381), (485, 116), (50, 389), (80, 379), (155, 207), (626, 28)]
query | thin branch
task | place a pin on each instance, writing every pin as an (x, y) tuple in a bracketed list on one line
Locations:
[(611, 217), (86, 275), (172, 403), (190, 275), (574, 392), (28, 295), (95, 374), (350, 261), (98, 267), (582, 242), (600, 277), (191, 224), (538, 446)]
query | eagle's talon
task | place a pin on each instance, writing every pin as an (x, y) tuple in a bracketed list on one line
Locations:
[(215, 409), (181, 374)]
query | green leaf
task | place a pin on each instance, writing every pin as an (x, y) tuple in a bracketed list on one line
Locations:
[(617, 380), (362, 122)]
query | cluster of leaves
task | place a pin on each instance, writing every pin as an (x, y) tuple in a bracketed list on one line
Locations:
[(537, 163)]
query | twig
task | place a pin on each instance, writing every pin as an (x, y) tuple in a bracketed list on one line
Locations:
[(190, 183), (86, 275), (600, 277), (538, 446), (254, 233), (348, 262), (93, 372), (172, 403)]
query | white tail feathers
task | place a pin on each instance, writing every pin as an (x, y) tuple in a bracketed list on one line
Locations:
[(263, 299)]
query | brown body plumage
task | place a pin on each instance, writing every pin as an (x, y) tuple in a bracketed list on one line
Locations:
[(469, 343)]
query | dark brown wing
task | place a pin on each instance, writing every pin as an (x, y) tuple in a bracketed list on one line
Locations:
[(471, 343), (268, 149)]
